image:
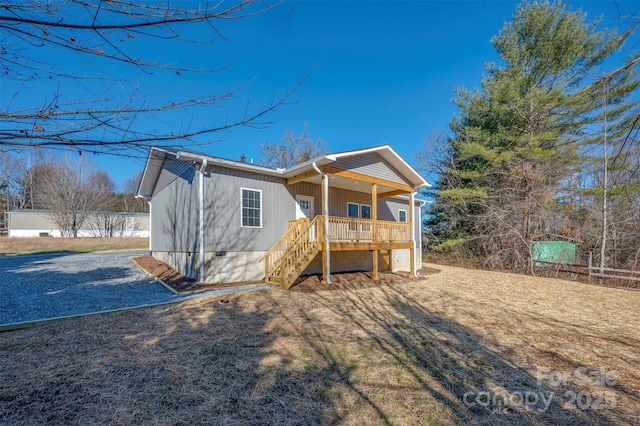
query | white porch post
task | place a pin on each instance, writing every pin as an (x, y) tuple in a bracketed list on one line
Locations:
[(412, 252)]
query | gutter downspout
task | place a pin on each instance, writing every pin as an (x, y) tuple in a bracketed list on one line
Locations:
[(150, 220), (420, 247), (203, 168), (150, 235), (325, 213)]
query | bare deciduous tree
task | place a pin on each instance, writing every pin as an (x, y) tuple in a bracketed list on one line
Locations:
[(293, 149), (18, 174), (71, 194), (14, 180), (129, 201), (106, 224)]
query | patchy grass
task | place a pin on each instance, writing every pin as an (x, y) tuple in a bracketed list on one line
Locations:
[(16, 246), (410, 353)]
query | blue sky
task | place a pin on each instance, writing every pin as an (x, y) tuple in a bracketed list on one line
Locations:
[(383, 72)]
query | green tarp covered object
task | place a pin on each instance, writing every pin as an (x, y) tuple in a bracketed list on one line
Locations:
[(554, 252)]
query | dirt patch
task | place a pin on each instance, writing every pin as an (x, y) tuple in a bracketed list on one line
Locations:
[(176, 280), (355, 280), (304, 284)]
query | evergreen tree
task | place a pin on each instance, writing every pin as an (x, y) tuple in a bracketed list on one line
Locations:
[(518, 141)]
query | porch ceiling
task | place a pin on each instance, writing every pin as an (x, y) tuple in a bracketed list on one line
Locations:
[(349, 184)]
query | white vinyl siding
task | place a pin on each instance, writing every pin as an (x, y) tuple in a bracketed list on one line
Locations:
[(370, 164), (251, 208)]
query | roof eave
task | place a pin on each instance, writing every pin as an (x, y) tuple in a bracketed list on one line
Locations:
[(152, 169), (189, 156)]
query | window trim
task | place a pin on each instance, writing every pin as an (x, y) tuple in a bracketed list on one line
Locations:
[(406, 216), (242, 225)]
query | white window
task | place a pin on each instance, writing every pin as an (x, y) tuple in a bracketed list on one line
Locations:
[(305, 208), (130, 224), (402, 216), (365, 211), (358, 211), (352, 210), (251, 208)]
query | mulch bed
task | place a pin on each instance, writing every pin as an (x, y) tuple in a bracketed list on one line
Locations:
[(305, 284)]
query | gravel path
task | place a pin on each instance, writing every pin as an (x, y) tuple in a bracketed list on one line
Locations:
[(53, 285)]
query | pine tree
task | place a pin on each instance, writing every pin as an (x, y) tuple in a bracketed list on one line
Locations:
[(520, 138)]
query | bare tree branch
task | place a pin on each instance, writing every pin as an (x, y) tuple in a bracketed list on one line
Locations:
[(292, 150), (113, 31)]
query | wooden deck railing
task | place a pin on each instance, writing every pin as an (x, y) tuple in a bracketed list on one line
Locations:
[(350, 229), (285, 255), (301, 252), (302, 241), (393, 231), (273, 256), (344, 228)]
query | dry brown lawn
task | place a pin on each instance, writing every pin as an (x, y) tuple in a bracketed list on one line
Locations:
[(456, 347), (15, 246)]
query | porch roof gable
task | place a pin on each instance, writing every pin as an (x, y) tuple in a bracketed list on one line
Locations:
[(347, 161)]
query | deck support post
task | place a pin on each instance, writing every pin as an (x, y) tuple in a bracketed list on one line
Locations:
[(326, 255), (374, 217)]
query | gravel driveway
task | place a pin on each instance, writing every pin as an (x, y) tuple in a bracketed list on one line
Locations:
[(53, 285)]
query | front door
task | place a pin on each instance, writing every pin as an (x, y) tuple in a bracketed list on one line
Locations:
[(304, 207)]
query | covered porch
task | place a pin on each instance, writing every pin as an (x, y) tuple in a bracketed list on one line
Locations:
[(324, 234)]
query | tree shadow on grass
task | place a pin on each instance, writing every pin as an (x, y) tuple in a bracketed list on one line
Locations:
[(355, 357), (210, 361), (451, 364)]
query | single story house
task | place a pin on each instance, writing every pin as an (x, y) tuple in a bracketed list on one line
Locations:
[(222, 221), (35, 223)]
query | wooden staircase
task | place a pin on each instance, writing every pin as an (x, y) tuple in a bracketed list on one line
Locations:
[(291, 255)]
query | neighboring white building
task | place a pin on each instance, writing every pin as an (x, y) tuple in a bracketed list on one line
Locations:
[(35, 223)]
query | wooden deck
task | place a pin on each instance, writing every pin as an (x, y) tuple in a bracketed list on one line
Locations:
[(306, 238)]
